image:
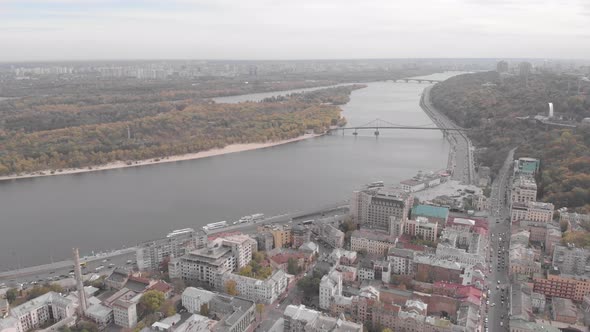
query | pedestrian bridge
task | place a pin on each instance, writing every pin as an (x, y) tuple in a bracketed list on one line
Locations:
[(417, 80), (379, 124)]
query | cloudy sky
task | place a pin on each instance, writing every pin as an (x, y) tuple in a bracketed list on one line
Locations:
[(295, 29)]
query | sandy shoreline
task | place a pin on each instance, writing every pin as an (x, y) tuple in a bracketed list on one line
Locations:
[(153, 161)]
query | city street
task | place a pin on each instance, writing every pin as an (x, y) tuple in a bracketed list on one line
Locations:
[(499, 221)]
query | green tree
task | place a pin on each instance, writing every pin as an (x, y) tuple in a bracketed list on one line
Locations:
[(292, 266), (258, 257), (204, 310), (152, 300), (11, 295), (167, 309)]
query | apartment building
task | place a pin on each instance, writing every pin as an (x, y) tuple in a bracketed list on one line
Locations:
[(242, 247), (151, 254), (402, 261), (532, 211), (193, 298), (374, 243), (281, 233), (421, 228), (301, 319), (40, 310), (203, 265), (523, 190), (260, 291), (330, 286)]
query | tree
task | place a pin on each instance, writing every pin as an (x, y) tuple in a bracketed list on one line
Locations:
[(260, 309), (292, 266), (258, 257), (168, 309), (387, 329), (152, 300), (11, 295), (204, 311), (178, 285), (230, 287)]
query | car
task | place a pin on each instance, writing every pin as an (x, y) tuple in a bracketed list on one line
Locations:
[(497, 287), (498, 282), (501, 323), (493, 304)]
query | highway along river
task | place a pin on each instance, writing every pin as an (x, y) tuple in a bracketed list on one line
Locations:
[(43, 218)]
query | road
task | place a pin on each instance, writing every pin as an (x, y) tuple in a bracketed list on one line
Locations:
[(499, 283), (461, 159)]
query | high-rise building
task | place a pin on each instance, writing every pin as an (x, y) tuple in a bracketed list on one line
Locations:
[(374, 208)]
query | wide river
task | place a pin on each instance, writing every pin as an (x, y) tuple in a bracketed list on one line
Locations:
[(41, 219)]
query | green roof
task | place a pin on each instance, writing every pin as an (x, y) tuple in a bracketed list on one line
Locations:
[(430, 211)]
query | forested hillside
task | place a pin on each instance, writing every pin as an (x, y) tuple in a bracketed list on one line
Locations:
[(491, 107), (38, 136)]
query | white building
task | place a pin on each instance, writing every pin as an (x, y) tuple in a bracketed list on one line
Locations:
[(194, 298), (330, 286), (36, 312), (402, 261), (242, 247), (260, 291), (203, 265), (374, 208), (177, 243), (125, 310)]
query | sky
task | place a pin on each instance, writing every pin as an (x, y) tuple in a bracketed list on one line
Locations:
[(36, 30)]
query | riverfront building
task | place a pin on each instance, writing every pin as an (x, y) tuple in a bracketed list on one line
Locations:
[(203, 265), (177, 243), (375, 207)]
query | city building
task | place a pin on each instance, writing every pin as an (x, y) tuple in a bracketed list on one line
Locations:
[(421, 228), (564, 310), (124, 305), (532, 211), (100, 314), (342, 256), (196, 323), (461, 244), (374, 208), (374, 243), (242, 247), (281, 233), (573, 219), (423, 181), (330, 234), (301, 234), (234, 314), (193, 298), (40, 310), (556, 284), (438, 214), (431, 269), (571, 260), (265, 241), (301, 319), (527, 166), (402, 261), (203, 265), (260, 291), (524, 189), (330, 286), (151, 254)]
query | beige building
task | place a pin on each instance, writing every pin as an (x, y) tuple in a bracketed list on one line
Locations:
[(524, 189), (242, 247), (282, 234), (203, 265), (533, 211), (374, 208), (422, 228), (374, 243), (40, 310)]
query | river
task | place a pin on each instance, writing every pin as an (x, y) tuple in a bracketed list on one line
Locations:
[(43, 218)]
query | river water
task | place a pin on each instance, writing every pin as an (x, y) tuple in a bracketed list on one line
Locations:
[(41, 219)]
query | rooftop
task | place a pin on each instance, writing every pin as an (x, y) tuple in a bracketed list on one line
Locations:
[(430, 211), (372, 235), (203, 294)]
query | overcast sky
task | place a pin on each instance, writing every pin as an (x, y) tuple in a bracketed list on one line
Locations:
[(294, 29)]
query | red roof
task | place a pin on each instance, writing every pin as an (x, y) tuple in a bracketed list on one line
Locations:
[(161, 286), (284, 258)]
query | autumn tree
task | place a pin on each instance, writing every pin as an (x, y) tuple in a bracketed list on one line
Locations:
[(230, 287), (260, 309)]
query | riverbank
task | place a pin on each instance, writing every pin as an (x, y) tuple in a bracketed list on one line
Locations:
[(460, 159), (233, 148)]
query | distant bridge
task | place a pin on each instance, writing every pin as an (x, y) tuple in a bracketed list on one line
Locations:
[(418, 80), (379, 124)]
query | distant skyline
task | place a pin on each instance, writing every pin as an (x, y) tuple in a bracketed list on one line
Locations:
[(53, 30)]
